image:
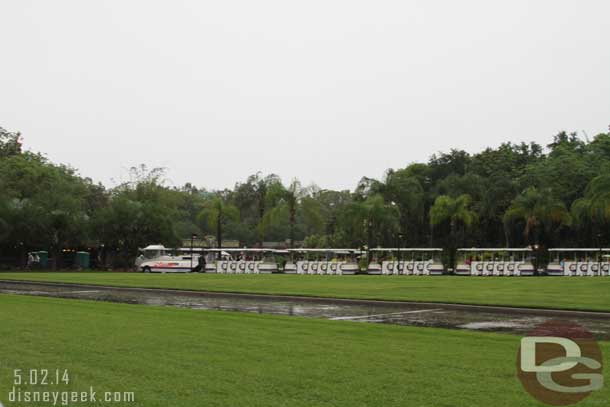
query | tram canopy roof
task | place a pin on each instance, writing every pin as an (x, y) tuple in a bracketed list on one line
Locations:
[(339, 251), (407, 249), (155, 247), (578, 249), (242, 250), (496, 249)]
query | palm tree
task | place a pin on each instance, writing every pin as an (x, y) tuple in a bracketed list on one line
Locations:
[(284, 204), (593, 210), (215, 214), (373, 216), (454, 210), (540, 211)]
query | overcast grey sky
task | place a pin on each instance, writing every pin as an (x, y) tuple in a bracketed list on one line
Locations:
[(326, 91)]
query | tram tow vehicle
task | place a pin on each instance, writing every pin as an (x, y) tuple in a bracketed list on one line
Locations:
[(159, 259), (494, 262), (406, 261), (578, 262)]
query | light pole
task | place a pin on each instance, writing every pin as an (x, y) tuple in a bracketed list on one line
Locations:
[(193, 237)]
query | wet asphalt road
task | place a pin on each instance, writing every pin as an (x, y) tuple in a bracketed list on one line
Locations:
[(491, 319)]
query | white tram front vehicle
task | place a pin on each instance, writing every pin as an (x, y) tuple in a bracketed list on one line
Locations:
[(406, 261), (159, 259), (495, 262), (241, 261), (578, 262), (323, 261)]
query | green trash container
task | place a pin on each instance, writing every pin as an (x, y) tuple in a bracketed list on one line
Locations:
[(82, 260), (44, 258)]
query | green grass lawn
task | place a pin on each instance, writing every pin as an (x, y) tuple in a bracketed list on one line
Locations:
[(543, 292), (180, 357)]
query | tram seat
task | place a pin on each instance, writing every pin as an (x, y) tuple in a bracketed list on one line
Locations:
[(314, 266), (554, 269), (241, 267), (488, 268), (582, 268), (348, 268), (265, 267), (477, 268), (397, 267), (301, 267), (222, 266), (502, 268), (435, 269), (424, 271), (525, 269), (290, 268), (232, 267), (571, 268), (498, 268), (389, 267), (374, 268), (463, 270), (322, 267)]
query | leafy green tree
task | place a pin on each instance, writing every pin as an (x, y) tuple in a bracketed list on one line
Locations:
[(127, 224), (444, 164), (312, 217), (567, 169), (44, 205), (5, 227), (10, 143)]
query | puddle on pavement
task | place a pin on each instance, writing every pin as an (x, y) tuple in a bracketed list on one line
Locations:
[(424, 315)]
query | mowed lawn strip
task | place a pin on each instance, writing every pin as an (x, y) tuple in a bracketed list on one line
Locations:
[(179, 357), (578, 293)]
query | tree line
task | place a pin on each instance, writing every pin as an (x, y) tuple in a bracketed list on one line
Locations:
[(514, 195)]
